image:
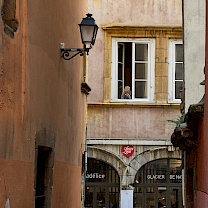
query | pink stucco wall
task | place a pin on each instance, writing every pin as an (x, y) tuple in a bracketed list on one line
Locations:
[(125, 13), (202, 167), (202, 160), (202, 200), (131, 122)]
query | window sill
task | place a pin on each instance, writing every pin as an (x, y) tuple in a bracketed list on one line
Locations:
[(134, 104), (174, 102), (133, 101)]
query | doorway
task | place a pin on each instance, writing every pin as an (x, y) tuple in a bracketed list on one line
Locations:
[(43, 177)]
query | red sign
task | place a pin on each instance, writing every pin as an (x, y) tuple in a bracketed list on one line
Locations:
[(127, 150)]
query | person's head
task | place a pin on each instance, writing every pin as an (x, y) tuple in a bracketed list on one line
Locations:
[(127, 90)]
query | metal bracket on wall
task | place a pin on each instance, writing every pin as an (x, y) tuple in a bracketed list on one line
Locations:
[(65, 52)]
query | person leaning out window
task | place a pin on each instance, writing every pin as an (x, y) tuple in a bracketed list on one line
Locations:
[(127, 93)]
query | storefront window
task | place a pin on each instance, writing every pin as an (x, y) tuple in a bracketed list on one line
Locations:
[(156, 172), (160, 171), (175, 173), (102, 185), (158, 185)]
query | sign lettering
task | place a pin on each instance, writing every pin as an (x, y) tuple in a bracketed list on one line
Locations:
[(175, 177), (156, 177), (95, 175), (161, 177), (127, 150)]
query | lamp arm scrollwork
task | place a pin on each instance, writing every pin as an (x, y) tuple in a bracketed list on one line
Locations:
[(65, 52)]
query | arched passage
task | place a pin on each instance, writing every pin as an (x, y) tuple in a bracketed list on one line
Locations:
[(102, 188), (127, 171), (145, 157), (159, 184), (108, 157)]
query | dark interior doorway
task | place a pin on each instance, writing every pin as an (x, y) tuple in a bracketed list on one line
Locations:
[(43, 177), (102, 185), (158, 184)]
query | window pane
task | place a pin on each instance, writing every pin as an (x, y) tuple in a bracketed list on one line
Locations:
[(120, 53), (141, 52), (141, 89), (89, 196), (150, 199), (141, 71), (161, 197), (178, 89), (156, 172), (100, 201), (113, 196), (120, 86), (138, 197), (175, 171), (175, 196), (179, 71), (120, 71), (139, 177), (179, 52)]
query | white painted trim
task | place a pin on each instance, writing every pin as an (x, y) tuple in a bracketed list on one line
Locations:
[(155, 142), (171, 71), (151, 69), (183, 188)]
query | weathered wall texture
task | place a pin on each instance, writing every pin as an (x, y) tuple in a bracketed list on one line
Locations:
[(143, 12), (202, 170), (39, 90), (131, 122), (161, 20), (194, 50), (159, 13)]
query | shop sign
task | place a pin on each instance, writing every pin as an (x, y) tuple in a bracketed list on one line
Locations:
[(175, 177), (95, 175), (161, 177), (127, 150)]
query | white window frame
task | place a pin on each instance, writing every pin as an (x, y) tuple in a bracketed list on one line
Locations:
[(151, 69), (171, 71)]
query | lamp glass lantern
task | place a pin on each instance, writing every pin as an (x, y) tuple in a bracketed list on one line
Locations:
[(88, 31)]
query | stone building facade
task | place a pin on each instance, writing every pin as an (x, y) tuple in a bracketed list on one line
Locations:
[(42, 110), (190, 135), (131, 160)]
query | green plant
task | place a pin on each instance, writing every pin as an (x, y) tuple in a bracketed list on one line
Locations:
[(179, 120)]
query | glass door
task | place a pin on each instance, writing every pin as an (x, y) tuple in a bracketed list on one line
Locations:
[(89, 199), (175, 197), (150, 197), (95, 197), (162, 197), (99, 196), (113, 197)]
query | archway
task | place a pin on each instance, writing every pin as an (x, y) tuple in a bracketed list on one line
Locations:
[(102, 185), (158, 184)]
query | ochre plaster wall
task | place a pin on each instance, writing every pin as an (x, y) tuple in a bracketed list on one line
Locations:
[(67, 185), (39, 90), (16, 183)]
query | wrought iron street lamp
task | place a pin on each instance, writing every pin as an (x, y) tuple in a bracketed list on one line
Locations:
[(88, 31)]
